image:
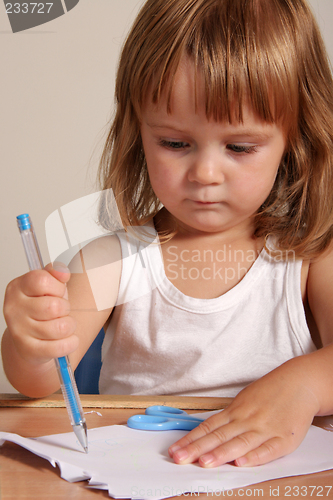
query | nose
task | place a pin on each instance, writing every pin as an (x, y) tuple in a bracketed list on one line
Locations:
[(206, 169)]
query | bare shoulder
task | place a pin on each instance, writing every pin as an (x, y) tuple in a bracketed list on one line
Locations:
[(320, 294)]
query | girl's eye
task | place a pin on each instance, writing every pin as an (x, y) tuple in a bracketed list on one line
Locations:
[(239, 148), (173, 144)]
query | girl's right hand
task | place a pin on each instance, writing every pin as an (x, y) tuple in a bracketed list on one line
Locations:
[(37, 312)]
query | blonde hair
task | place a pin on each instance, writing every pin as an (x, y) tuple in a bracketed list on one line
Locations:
[(268, 53)]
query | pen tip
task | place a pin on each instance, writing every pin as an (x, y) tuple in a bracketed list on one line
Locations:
[(86, 449)]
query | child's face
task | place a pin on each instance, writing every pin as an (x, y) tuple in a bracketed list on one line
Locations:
[(211, 176)]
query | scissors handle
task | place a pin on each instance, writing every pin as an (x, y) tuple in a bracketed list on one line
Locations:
[(154, 423), (170, 412)]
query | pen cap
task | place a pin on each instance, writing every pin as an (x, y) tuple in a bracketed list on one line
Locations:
[(23, 222), (29, 241)]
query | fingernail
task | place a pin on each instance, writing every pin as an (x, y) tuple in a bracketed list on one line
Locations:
[(207, 459), (241, 461), (181, 455), (60, 267), (173, 449)]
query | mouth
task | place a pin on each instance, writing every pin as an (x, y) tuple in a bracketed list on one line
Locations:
[(203, 203)]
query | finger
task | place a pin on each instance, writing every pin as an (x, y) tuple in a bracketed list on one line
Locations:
[(59, 270), (56, 329), (210, 442), (206, 427), (269, 450), (40, 282), (48, 307), (231, 450), (50, 349)]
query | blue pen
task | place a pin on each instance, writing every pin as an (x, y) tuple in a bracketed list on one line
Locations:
[(68, 385)]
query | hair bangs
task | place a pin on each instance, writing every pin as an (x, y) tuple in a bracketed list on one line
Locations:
[(241, 63)]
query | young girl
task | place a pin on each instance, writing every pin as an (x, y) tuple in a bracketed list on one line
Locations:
[(222, 146)]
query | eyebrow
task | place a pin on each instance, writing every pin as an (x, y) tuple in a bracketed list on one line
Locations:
[(252, 132), (247, 132)]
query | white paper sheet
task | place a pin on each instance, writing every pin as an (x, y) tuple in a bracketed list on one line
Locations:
[(135, 464)]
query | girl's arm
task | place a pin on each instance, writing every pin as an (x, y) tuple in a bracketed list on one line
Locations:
[(320, 299), (270, 417), (45, 322)]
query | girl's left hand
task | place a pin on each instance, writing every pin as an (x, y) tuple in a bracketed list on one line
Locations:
[(266, 420)]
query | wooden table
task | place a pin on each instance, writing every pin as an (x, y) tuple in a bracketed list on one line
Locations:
[(24, 475)]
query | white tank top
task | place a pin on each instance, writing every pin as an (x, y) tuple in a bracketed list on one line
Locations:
[(160, 341)]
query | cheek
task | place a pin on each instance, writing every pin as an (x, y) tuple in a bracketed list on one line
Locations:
[(256, 186), (162, 174), (161, 180)]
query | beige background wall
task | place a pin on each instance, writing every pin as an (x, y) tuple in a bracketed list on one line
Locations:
[(57, 83)]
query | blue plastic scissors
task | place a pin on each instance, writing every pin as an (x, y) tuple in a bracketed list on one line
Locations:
[(163, 418)]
